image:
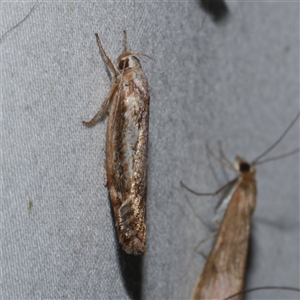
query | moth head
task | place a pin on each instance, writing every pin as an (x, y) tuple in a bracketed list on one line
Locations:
[(127, 61), (242, 166)]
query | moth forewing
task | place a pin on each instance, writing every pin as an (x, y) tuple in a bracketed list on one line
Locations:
[(126, 147)]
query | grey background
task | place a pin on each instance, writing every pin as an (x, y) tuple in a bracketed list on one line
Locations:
[(235, 81)]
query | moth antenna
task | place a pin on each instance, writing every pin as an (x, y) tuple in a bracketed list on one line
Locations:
[(264, 288), (124, 43), (143, 60), (255, 161), (142, 54), (134, 18), (210, 236), (279, 156)]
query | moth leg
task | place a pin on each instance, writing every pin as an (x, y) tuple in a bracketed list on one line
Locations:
[(217, 222), (203, 255), (103, 108), (114, 83), (106, 58), (221, 160), (210, 236), (104, 175), (228, 184), (223, 156)]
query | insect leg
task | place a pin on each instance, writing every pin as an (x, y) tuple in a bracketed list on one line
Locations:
[(222, 160), (106, 58), (228, 184), (101, 111)]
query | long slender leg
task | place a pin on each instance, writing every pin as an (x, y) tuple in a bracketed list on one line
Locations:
[(101, 111), (223, 156), (221, 160), (106, 58), (114, 83), (230, 183), (208, 237)]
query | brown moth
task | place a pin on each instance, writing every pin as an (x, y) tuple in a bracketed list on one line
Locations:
[(224, 269), (126, 146), (223, 273)]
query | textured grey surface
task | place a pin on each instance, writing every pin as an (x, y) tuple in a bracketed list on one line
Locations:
[(237, 82)]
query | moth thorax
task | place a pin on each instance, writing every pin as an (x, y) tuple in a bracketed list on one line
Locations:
[(128, 62)]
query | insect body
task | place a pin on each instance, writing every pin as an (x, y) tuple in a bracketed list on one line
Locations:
[(223, 273), (224, 270), (126, 147)]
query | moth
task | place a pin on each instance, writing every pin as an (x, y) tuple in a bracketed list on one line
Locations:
[(224, 270), (127, 104)]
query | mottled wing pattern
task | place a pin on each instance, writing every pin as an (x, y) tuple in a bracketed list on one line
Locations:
[(126, 159)]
